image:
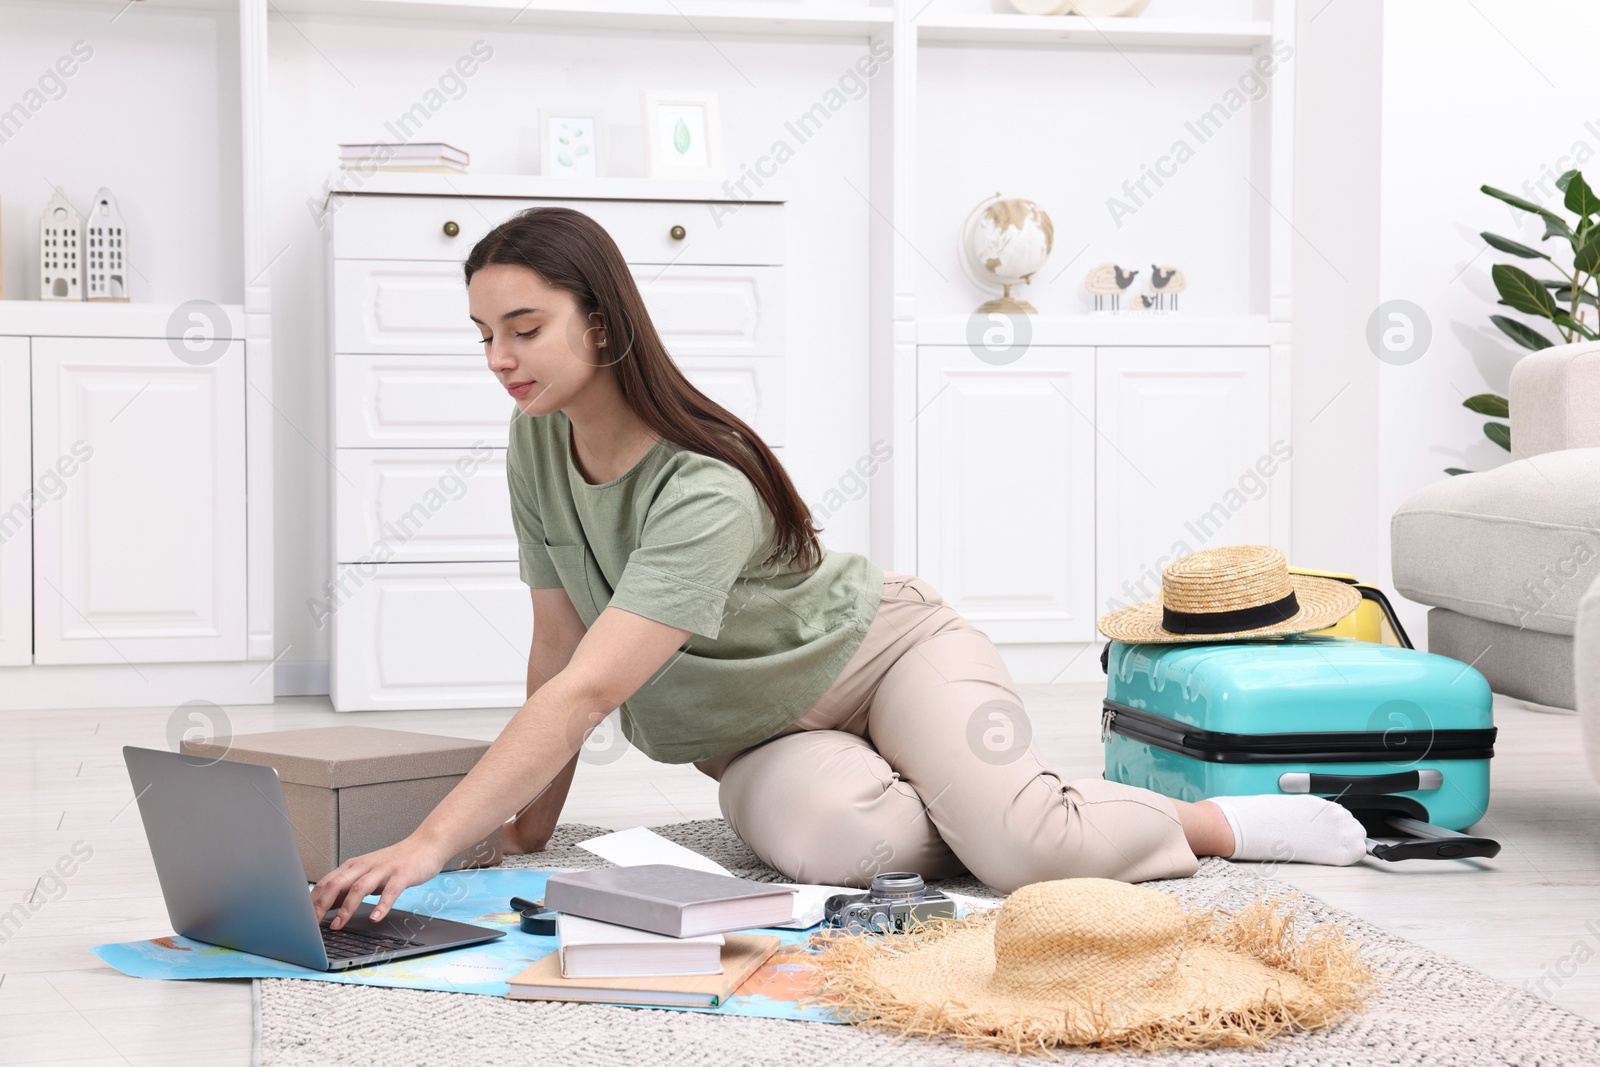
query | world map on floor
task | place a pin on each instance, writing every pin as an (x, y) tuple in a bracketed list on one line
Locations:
[(481, 897)]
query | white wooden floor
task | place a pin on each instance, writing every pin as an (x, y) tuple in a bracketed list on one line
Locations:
[(1530, 917)]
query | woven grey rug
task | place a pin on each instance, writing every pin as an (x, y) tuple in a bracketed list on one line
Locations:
[(1430, 1010)]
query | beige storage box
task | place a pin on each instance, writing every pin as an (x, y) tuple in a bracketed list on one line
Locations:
[(355, 789)]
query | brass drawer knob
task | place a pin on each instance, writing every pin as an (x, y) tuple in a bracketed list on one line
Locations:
[(451, 229), (678, 233)]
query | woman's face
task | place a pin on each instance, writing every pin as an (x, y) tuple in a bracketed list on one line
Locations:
[(536, 340)]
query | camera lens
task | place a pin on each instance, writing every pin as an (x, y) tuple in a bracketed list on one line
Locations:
[(897, 885)]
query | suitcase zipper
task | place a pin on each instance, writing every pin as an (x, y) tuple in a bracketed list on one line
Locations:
[(1214, 746)]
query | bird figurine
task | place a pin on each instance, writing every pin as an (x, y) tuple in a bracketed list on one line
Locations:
[(1107, 283), (1167, 283)]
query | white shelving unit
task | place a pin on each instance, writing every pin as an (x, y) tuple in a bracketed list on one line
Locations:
[(153, 573), (1040, 493), (941, 51)]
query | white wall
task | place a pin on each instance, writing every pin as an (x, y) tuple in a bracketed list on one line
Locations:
[(339, 80), (1497, 92)]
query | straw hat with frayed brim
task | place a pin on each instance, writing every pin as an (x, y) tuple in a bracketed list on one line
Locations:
[(1229, 594), (1098, 963)]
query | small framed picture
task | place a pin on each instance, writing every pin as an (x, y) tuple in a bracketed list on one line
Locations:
[(682, 134), (569, 143)]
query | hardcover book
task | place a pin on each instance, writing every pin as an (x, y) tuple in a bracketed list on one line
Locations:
[(675, 901)]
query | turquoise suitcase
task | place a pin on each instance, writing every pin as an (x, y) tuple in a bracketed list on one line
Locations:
[(1403, 738)]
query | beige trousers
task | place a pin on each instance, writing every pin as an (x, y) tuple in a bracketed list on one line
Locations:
[(918, 758)]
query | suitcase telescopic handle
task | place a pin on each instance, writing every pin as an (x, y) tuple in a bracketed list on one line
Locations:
[(1361, 785), (1431, 843)]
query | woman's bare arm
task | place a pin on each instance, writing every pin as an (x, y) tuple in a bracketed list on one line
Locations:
[(557, 629), (620, 652)]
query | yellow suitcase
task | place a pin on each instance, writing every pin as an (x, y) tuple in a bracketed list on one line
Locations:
[(1373, 620)]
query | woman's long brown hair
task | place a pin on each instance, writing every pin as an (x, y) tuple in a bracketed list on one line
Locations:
[(572, 252)]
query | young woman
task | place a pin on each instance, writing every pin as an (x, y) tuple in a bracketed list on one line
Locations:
[(855, 722)]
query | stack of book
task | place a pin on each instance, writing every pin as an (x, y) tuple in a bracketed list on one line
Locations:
[(654, 934), (409, 157)]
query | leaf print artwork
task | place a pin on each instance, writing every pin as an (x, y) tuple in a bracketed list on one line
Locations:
[(680, 137), (564, 159)]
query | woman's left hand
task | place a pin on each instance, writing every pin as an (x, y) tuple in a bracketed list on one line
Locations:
[(388, 872)]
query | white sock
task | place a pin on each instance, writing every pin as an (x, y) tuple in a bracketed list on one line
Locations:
[(1293, 827)]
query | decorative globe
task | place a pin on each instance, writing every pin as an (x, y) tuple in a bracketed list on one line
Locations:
[(1004, 241)]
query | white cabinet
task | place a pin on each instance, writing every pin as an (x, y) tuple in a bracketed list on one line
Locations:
[(1054, 488), (141, 557), (1186, 461), (426, 607), (135, 563), (1006, 486), (17, 503)]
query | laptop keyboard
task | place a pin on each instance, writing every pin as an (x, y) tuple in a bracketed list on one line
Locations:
[(351, 942)]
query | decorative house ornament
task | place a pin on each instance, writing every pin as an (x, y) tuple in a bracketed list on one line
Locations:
[(1106, 283), (1165, 285), (60, 250), (1004, 241), (105, 254)]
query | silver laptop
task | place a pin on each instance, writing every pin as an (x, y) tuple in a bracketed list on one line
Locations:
[(231, 874)]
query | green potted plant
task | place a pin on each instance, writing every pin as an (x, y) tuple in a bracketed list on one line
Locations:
[(1559, 301)]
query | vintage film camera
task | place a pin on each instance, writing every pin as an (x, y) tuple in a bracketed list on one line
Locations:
[(895, 901)]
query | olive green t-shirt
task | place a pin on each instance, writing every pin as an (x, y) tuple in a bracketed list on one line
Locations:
[(680, 539)]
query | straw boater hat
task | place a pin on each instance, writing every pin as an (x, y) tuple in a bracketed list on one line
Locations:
[(1222, 594), (1093, 962)]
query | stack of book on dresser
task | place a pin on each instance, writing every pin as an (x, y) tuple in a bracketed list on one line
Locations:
[(416, 157), (654, 934)]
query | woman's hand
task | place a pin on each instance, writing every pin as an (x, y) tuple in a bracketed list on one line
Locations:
[(388, 872)]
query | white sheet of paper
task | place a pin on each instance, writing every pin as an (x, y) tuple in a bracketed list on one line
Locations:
[(973, 903), (808, 903), (632, 848)]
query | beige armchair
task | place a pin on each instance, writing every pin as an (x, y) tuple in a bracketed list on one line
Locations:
[(1586, 663), (1506, 556)]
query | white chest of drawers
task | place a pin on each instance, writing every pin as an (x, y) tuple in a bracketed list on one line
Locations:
[(424, 603)]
